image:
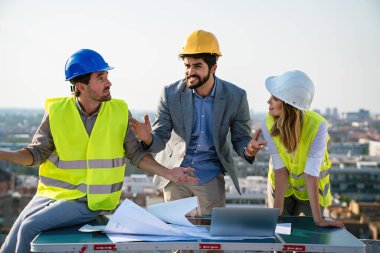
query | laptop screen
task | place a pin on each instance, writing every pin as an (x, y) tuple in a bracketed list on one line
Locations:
[(243, 221)]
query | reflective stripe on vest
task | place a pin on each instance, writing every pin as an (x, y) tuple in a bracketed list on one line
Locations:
[(322, 174), (81, 165), (297, 163), (93, 189), (325, 190)]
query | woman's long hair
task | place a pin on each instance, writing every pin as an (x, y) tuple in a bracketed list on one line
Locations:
[(288, 127)]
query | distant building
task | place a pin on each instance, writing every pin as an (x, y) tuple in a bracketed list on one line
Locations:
[(360, 184), (360, 116), (330, 114), (348, 148), (335, 113), (373, 146), (138, 183), (26, 184), (367, 210), (253, 191)]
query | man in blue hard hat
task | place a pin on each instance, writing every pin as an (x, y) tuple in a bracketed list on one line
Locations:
[(81, 148)]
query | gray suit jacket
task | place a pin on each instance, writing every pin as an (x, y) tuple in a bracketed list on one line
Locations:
[(174, 122)]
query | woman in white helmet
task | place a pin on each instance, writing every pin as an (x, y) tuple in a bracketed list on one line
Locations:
[(298, 178)]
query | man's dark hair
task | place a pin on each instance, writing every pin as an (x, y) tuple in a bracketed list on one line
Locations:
[(209, 59), (79, 79)]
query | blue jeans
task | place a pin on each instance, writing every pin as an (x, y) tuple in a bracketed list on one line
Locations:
[(43, 214)]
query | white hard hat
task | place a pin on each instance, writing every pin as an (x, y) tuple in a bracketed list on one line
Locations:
[(293, 87)]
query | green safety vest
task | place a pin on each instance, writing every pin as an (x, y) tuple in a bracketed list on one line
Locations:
[(83, 165), (296, 163)]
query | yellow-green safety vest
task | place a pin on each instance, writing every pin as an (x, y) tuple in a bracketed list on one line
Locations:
[(82, 165), (296, 163)]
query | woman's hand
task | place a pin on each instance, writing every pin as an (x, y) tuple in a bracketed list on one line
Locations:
[(329, 223)]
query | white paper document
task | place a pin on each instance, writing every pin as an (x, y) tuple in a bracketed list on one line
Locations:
[(284, 228), (131, 222), (130, 218), (174, 211), (90, 228)]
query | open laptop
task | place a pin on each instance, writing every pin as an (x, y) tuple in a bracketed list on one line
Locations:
[(243, 221)]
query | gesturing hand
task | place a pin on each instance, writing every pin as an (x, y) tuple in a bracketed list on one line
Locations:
[(182, 175), (142, 131), (254, 145)]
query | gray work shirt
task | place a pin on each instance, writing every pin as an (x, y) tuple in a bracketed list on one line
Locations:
[(43, 144)]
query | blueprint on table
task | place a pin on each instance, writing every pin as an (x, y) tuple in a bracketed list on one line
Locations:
[(160, 222)]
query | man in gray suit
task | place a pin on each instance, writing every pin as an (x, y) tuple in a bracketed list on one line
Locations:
[(193, 119)]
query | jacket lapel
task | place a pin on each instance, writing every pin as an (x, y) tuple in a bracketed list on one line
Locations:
[(187, 111), (218, 110)]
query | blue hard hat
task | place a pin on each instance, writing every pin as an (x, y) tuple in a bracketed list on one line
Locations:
[(84, 61)]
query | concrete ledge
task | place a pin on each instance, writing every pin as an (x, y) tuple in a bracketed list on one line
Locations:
[(372, 246)]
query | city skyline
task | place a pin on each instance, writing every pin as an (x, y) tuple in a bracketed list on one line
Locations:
[(335, 42), (326, 111)]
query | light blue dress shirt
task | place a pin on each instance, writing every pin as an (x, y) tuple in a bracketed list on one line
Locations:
[(200, 153)]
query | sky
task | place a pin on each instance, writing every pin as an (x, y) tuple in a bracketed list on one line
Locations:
[(336, 42)]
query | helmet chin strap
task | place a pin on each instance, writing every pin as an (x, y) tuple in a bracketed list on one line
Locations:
[(72, 88)]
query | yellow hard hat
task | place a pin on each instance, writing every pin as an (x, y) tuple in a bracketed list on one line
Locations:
[(199, 42)]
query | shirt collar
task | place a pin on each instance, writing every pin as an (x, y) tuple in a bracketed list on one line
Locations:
[(212, 93), (81, 111)]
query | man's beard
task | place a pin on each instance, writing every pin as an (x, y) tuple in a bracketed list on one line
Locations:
[(101, 98), (199, 84), (106, 98)]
